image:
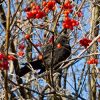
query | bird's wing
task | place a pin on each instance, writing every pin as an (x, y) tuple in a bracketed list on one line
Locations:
[(59, 54)]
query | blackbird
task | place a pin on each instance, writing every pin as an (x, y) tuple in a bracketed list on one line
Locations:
[(49, 51)]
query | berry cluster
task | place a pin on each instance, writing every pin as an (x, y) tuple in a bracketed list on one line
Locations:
[(67, 7), (85, 42), (68, 22), (50, 5), (34, 11), (92, 61), (4, 61)]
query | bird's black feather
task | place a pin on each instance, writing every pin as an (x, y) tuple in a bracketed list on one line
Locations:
[(37, 64), (59, 55)]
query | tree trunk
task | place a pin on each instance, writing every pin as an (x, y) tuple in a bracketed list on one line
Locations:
[(94, 32)]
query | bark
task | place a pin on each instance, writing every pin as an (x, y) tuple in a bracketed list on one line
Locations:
[(94, 32)]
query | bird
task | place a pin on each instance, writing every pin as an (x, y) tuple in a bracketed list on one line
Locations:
[(59, 55)]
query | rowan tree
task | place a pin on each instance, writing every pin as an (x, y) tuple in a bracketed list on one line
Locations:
[(29, 25)]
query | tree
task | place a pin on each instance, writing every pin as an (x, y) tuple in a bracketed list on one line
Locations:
[(29, 26)]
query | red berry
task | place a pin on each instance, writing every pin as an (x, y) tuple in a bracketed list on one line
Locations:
[(89, 62), (30, 15), (80, 14), (59, 45), (40, 57), (11, 57), (20, 53), (21, 46), (77, 23), (37, 7), (44, 3), (46, 10), (40, 14), (27, 36), (67, 12), (32, 4)]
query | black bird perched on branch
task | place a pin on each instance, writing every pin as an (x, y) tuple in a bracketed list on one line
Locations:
[(59, 54)]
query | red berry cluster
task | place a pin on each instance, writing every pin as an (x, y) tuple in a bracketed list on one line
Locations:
[(4, 61), (68, 22), (50, 5), (92, 61), (34, 11), (67, 7), (85, 42)]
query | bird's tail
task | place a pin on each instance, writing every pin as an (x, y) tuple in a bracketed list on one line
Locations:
[(36, 65)]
